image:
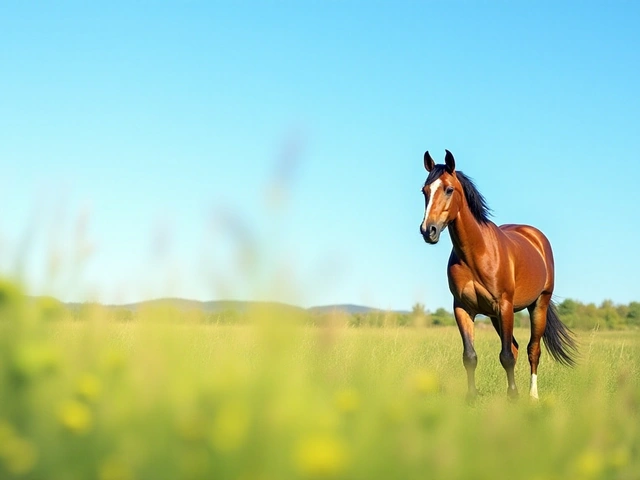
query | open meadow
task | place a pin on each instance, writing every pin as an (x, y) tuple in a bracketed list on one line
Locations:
[(166, 397), (248, 241)]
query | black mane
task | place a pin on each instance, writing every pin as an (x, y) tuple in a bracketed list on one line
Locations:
[(475, 200)]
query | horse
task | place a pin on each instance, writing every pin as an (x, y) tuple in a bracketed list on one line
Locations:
[(493, 271)]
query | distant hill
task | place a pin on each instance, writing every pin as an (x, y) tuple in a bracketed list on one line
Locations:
[(211, 306), (347, 308), (236, 305)]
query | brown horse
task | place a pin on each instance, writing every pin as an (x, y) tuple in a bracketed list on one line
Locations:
[(493, 271)]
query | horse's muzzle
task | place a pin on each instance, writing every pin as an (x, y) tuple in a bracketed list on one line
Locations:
[(431, 233)]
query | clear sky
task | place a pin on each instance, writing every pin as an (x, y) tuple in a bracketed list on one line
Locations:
[(157, 148)]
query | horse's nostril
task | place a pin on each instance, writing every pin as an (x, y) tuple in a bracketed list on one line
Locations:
[(433, 230)]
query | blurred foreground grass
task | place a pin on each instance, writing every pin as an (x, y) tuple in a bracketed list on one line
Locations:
[(166, 397)]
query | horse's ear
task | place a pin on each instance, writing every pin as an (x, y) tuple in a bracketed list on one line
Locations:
[(429, 164), (449, 161)]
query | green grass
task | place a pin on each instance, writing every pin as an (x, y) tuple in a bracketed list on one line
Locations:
[(166, 397)]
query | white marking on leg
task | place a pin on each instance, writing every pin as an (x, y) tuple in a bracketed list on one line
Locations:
[(432, 190), (533, 392)]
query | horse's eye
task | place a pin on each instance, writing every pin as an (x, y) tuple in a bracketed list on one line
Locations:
[(449, 190)]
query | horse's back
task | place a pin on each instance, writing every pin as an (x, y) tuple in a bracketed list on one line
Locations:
[(532, 258), (532, 235)]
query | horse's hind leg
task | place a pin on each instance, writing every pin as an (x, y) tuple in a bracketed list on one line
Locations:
[(469, 357), (538, 313)]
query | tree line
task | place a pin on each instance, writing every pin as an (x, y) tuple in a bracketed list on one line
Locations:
[(574, 314)]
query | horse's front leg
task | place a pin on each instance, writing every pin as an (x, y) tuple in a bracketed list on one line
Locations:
[(469, 357), (507, 357)]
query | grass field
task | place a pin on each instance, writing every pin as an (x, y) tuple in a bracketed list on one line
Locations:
[(165, 397)]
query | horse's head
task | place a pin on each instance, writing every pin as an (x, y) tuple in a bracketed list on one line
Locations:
[(443, 197)]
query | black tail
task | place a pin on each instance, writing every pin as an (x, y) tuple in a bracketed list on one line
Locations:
[(559, 339)]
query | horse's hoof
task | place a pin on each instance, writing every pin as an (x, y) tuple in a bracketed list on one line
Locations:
[(512, 394), (472, 397)]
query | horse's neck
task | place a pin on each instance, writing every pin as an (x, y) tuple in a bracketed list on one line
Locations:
[(469, 237)]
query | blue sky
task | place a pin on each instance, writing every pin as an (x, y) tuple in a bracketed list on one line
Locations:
[(274, 149)]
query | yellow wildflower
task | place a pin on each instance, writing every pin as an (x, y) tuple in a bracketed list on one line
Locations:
[(75, 416), (321, 456), (425, 382), (89, 387), (590, 464)]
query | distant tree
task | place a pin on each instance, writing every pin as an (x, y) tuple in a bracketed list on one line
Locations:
[(623, 311), (122, 315), (521, 319), (418, 315), (403, 319), (356, 320), (609, 314), (568, 307), (442, 317), (376, 319), (418, 309), (633, 315)]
